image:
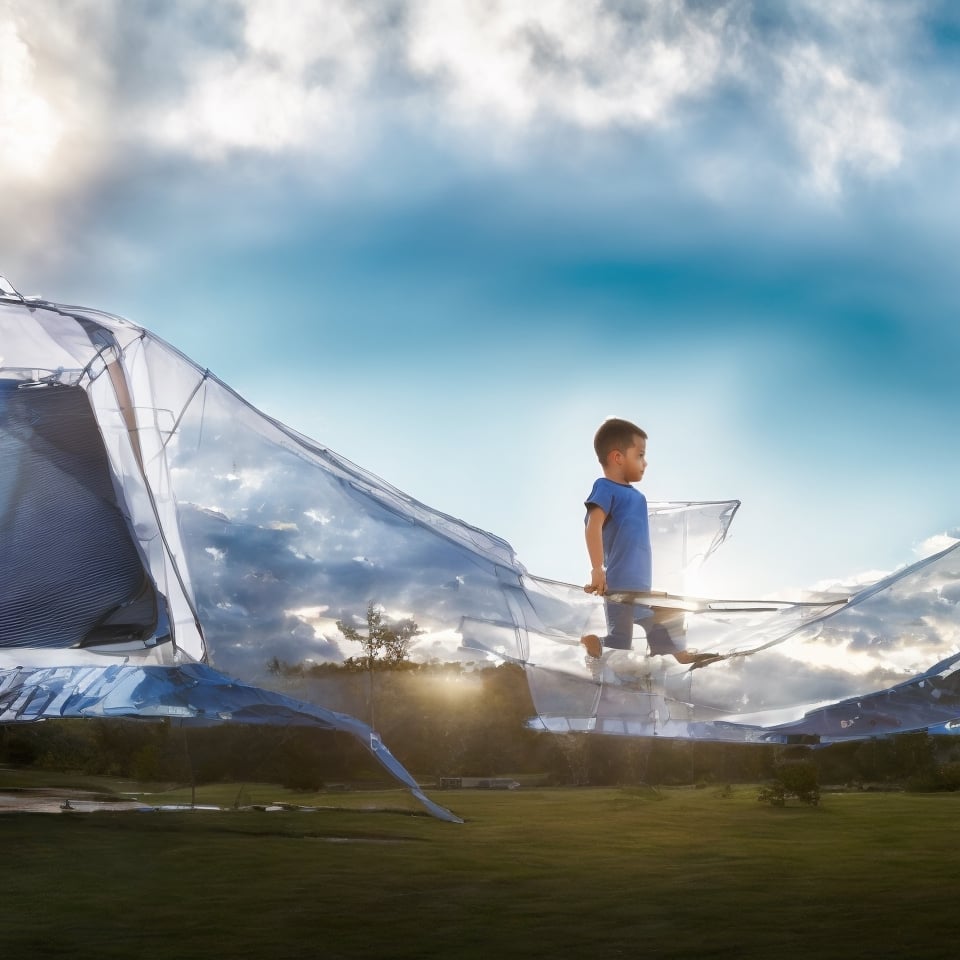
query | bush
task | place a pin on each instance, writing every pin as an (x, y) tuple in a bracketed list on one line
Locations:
[(949, 775), (792, 778), (944, 777)]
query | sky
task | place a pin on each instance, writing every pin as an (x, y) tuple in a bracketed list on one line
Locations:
[(447, 238)]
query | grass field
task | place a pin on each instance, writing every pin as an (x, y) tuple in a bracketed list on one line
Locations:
[(559, 873)]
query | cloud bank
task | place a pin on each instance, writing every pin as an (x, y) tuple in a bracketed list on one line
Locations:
[(85, 88)]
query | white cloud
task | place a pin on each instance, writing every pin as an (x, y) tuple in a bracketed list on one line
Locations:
[(580, 62), (301, 76), (839, 122), (935, 544), (294, 82), (89, 90)]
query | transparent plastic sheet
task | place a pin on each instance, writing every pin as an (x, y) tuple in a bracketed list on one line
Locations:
[(138, 389), (259, 540), (881, 661)]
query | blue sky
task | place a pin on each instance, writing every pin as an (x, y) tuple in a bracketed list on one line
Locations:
[(446, 239)]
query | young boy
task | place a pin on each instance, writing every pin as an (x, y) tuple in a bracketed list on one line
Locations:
[(618, 542)]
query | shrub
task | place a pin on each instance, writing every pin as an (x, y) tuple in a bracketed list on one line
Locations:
[(949, 775), (792, 778)]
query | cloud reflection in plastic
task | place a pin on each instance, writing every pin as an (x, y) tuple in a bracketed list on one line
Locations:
[(257, 540)]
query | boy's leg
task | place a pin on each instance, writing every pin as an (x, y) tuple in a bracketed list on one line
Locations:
[(619, 630), (619, 625), (655, 623)]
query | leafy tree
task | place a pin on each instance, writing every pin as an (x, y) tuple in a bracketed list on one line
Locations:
[(385, 640)]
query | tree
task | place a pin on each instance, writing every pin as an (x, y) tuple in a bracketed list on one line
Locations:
[(385, 640)]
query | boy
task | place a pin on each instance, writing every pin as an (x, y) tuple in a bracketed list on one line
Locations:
[(618, 542)]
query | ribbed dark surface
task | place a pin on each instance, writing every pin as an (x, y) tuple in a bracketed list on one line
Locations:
[(69, 571)]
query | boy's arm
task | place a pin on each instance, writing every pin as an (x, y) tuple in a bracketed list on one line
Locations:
[(594, 536)]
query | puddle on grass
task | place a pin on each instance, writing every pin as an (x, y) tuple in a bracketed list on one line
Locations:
[(59, 800), (64, 800)]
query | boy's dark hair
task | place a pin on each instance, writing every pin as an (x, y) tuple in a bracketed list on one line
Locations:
[(613, 435)]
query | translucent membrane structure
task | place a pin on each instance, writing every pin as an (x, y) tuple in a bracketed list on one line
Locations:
[(883, 660), (164, 546)]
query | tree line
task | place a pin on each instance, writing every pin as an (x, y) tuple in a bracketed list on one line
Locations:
[(444, 720)]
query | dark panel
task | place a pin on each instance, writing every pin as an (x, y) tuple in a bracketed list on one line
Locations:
[(70, 574)]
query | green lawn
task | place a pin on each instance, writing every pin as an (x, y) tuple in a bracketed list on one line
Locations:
[(555, 873)]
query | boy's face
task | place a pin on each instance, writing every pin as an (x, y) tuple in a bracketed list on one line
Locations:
[(633, 460)]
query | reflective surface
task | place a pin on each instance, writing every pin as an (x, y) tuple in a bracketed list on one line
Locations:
[(243, 544)]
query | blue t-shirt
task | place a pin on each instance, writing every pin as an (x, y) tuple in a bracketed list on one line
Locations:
[(626, 534)]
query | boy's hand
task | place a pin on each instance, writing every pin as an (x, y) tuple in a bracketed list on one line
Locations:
[(598, 582)]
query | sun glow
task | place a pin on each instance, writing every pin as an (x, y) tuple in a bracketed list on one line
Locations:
[(27, 121)]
